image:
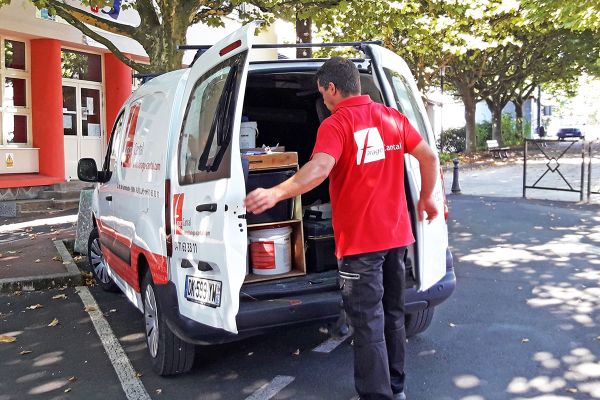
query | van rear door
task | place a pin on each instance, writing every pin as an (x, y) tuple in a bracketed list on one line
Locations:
[(209, 238), (401, 92)]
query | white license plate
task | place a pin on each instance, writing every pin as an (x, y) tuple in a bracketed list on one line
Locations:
[(203, 291)]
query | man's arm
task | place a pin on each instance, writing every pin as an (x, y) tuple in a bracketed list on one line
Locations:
[(428, 165), (311, 175)]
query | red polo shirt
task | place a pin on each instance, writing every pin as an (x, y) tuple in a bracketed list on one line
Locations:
[(368, 141)]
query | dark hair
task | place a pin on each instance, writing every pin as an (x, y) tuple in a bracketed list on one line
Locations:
[(342, 73)]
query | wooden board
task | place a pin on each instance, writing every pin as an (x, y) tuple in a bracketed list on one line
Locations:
[(271, 160)]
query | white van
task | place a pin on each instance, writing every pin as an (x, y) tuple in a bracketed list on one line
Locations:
[(170, 227)]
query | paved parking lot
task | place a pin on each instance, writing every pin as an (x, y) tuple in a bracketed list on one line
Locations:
[(523, 324)]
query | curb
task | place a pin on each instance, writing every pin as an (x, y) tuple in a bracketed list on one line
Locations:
[(40, 282)]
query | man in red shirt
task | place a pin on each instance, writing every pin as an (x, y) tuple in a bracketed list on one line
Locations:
[(361, 147)]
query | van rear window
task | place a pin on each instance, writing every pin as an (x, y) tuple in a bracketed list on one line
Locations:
[(205, 137), (406, 101)]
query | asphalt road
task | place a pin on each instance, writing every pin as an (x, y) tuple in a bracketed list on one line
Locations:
[(523, 324)]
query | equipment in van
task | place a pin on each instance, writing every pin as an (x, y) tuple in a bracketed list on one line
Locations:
[(319, 243), (270, 251), (248, 134), (173, 234)]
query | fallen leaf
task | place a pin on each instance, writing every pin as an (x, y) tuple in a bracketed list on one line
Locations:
[(296, 353), (324, 330), (72, 379), (24, 352), (59, 296), (524, 340), (158, 391), (18, 293), (251, 353), (56, 258), (572, 390), (38, 260), (451, 325), (138, 374), (54, 322), (112, 310), (66, 262), (67, 390), (7, 339), (35, 307), (90, 309)]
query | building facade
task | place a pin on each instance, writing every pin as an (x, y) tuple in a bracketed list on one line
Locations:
[(60, 91)]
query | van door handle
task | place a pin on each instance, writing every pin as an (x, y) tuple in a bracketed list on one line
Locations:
[(210, 207), (109, 198)]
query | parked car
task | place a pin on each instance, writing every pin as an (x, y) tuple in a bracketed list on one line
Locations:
[(569, 133), (170, 226)]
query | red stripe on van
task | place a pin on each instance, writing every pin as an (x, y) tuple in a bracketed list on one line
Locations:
[(129, 273)]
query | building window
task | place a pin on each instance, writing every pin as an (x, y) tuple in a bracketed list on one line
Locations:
[(81, 66), (15, 100)]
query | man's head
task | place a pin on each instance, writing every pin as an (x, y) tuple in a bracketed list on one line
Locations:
[(338, 79)]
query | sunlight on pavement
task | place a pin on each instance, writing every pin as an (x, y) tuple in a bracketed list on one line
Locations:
[(39, 222)]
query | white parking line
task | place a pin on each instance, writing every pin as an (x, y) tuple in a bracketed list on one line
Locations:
[(329, 345), (272, 388), (132, 386)]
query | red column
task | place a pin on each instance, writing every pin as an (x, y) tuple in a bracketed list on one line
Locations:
[(117, 81), (46, 106)]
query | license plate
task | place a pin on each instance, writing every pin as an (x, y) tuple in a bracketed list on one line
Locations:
[(203, 291)]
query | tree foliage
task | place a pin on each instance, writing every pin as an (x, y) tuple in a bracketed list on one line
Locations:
[(495, 50), (164, 24)]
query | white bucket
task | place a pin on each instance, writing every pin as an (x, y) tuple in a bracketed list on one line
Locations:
[(248, 134), (270, 251)]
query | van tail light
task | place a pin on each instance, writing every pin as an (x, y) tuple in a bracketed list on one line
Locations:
[(168, 217), (446, 212), (230, 47)]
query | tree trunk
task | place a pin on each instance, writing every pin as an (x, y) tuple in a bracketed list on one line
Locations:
[(470, 102), (519, 114), (497, 124), (303, 35)]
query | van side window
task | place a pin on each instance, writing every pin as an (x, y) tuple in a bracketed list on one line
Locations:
[(113, 144), (205, 138), (406, 101)]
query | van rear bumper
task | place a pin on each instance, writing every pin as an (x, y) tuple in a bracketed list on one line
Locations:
[(256, 317)]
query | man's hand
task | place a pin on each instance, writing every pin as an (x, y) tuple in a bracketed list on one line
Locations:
[(426, 205), (260, 200)]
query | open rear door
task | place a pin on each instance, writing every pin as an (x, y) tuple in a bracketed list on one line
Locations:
[(400, 91), (209, 234)]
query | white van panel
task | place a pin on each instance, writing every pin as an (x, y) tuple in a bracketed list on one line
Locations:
[(432, 237)]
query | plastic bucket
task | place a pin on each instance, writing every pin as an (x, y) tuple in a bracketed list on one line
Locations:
[(248, 133), (270, 251)]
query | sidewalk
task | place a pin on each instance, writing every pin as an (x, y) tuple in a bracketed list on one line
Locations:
[(33, 255)]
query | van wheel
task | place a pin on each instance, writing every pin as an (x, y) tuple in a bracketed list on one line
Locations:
[(97, 263), (418, 322), (170, 355)]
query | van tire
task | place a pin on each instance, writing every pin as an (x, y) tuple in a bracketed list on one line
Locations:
[(97, 263), (170, 355), (418, 322)]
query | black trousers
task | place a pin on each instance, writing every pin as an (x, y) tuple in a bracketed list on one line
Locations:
[(373, 293)]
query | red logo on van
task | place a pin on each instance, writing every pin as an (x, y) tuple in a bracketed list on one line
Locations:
[(131, 124), (178, 212)]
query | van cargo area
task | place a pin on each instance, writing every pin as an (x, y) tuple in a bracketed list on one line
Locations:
[(287, 109)]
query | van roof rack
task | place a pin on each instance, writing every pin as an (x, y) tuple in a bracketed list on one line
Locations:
[(201, 48), (286, 45)]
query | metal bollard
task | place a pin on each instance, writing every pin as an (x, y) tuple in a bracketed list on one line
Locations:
[(455, 184)]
